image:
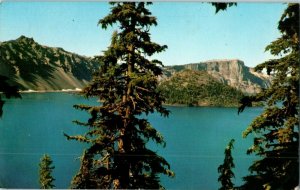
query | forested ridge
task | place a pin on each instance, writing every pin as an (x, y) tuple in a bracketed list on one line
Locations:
[(198, 88)]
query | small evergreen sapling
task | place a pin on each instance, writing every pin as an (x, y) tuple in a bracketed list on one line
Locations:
[(225, 169), (46, 168)]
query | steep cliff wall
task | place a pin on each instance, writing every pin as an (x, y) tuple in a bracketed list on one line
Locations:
[(231, 72)]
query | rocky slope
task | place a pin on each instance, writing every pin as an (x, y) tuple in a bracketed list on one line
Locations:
[(231, 72), (37, 67)]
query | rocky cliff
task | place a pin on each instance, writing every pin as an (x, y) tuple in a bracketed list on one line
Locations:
[(37, 67), (231, 72)]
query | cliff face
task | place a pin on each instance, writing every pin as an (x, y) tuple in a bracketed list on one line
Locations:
[(37, 67), (231, 72)]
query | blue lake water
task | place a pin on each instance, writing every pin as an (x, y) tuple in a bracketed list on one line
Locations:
[(195, 136)]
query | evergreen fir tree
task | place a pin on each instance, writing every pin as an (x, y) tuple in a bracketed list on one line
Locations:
[(8, 91), (276, 130), (225, 169), (46, 168), (126, 84)]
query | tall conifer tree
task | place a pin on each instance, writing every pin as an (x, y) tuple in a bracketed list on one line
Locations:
[(276, 130), (126, 84)]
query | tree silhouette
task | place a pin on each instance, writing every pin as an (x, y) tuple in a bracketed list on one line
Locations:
[(8, 91), (127, 86), (225, 169), (222, 6), (276, 130)]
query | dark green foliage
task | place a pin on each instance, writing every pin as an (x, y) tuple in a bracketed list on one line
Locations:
[(196, 88), (117, 156), (225, 169), (85, 178), (222, 6), (276, 130), (46, 168), (8, 91)]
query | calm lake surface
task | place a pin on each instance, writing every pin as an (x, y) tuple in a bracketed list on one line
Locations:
[(195, 136)]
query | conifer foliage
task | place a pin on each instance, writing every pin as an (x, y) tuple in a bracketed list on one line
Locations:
[(276, 130), (225, 169), (46, 168), (126, 85), (8, 91), (222, 6)]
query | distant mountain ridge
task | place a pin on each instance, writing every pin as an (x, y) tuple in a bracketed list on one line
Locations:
[(37, 67), (230, 72)]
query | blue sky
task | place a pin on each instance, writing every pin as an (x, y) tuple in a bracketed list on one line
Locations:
[(192, 30)]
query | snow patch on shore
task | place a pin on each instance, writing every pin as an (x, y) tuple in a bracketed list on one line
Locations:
[(42, 91)]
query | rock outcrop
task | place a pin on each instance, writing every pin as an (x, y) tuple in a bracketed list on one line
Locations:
[(231, 72)]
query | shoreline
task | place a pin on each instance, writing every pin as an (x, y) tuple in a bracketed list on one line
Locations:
[(45, 91), (78, 90)]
